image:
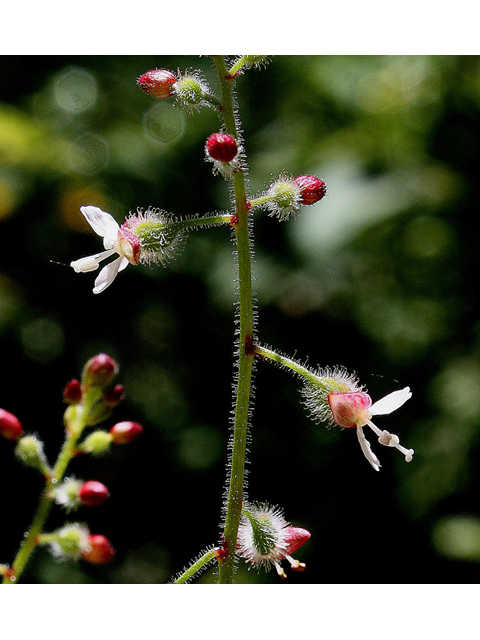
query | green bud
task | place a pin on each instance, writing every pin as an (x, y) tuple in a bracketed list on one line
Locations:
[(263, 530), (192, 92), (69, 542), (97, 443), (285, 193), (29, 450), (255, 61), (66, 494)]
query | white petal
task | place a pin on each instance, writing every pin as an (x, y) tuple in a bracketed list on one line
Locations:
[(90, 263), (391, 402), (367, 451), (102, 223), (123, 264), (107, 275), (83, 265)]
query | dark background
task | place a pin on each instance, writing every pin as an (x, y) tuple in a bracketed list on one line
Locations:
[(380, 276)]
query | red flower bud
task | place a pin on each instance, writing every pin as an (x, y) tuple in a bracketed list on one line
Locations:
[(93, 493), (222, 147), (73, 392), (99, 370), (10, 426), (312, 189), (157, 83), (124, 432), (100, 550), (114, 395)]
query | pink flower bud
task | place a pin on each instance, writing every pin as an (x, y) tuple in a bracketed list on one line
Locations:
[(312, 189), (10, 426), (100, 550), (222, 147), (294, 539), (157, 83), (73, 392), (93, 493), (350, 409), (99, 370), (124, 432)]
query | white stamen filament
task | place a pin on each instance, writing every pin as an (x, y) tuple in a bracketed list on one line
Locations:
[(391, 440), (280, 570)]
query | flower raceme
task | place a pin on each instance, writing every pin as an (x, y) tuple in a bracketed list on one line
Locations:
[(144, 237)]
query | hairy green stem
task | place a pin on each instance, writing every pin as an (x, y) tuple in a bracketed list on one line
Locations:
[(196, 566), (299, 369), (233, 507)]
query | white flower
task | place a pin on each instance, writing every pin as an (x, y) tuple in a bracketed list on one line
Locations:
[(114, 241), (356, 410)]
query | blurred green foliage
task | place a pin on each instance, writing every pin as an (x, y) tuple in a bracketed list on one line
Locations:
[(380, 276)]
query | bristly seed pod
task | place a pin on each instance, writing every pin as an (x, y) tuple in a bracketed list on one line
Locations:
[(265, 538)]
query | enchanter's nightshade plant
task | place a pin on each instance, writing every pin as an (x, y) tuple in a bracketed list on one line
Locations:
[(255, 533)]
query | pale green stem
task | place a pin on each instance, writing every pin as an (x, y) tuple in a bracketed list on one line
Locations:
[(245, 359), (186, 224), (260, 200), (237, 66), (74, 430), (205, 221), (197, 566), (299, 369)]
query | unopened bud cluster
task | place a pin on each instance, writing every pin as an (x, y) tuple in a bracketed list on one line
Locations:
[(90, 400), (93, 398)]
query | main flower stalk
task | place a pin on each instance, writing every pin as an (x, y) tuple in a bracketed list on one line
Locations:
[(235, 490)]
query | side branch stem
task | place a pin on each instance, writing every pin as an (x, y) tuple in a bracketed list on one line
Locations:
[(299, 369), (196, 566)]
